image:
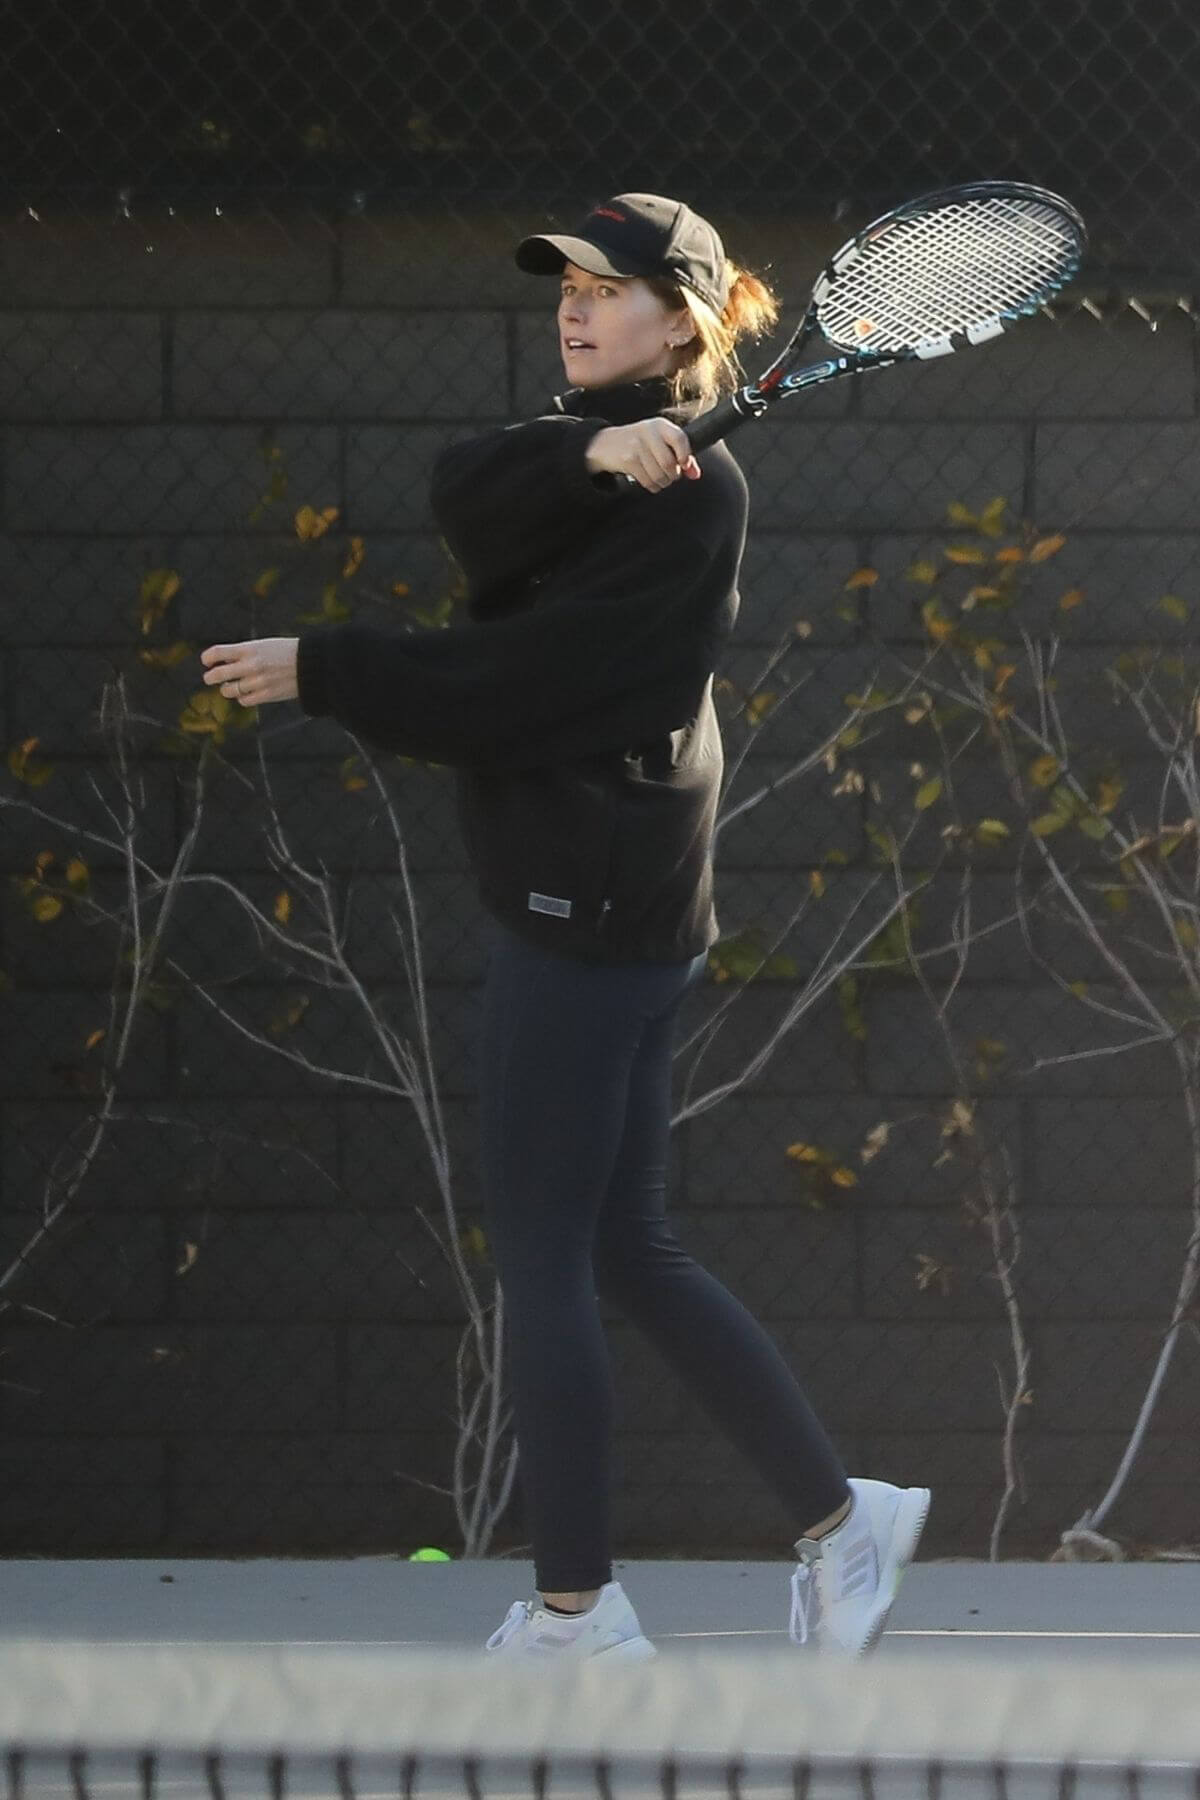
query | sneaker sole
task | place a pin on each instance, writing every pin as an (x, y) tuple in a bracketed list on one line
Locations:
[(637, 1649)]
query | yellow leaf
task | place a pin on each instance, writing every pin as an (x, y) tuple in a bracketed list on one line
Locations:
[(1185, 931), (758, 706), (401, 589), (1047, 547), (46, 907), (923, 571), (958, 514), (806, 1153), (1078, 988), (77, 873), (266, 581), (1011, 553), (816, 882), (1048, 823), (97, 1037), (936, 624), (863, 578), (1108, 792), (1117, 899), (964, 553), (354, 561), (168, 657), (991, 519), (190, 1253), (1072, 598), (975, 594), (1044, 772), (991, 831), (928, 793), (311, 525), (1174, 607), (843, 1177), (802, 628), (283, 907)]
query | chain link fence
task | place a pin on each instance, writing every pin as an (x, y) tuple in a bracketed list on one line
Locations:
[(936, 1104)]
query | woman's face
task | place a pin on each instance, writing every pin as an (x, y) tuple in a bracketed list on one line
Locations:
[(613, 329)]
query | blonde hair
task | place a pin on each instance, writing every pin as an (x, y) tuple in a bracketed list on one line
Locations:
[(709, 364)]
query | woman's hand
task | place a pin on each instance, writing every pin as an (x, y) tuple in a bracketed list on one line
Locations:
[(254, 672), (655, 452)]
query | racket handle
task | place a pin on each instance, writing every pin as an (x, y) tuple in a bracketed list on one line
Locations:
[(723, 418)]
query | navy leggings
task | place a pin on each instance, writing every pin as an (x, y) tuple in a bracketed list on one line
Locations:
[(575, 1110)]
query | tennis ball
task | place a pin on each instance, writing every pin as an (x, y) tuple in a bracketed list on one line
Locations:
[(429, 1555)]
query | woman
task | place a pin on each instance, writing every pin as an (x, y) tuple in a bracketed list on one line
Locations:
[(601, 558)]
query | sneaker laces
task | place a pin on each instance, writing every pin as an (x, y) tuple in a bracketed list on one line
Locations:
[(806, 1593)]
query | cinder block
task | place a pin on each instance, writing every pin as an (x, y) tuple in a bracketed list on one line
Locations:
[(1035, 1040), (1123, 1151), (781, 1262), (388, 469), (359, 832), (768, 821), (243, 252), (78, 590), (450, 922), (791, 578), (237, 1265), (76, 797), (814, 1054), (197, 1153), (333, 1035), (387, 1164), (1094, 1377), (897, 1377), (44, 1053), (155, 1379), (802, 703), (433, 255), (81, 1496), (81, 365), (843, 476), (401, 1377), (327, 1492), (335, 364), (1130, 474), (154, 478), (1068, 368), (87, 1267)]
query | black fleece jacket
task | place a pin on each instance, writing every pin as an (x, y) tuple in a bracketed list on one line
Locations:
[(576, 703)]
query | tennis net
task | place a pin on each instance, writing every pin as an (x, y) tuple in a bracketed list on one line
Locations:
[(223, 1721)]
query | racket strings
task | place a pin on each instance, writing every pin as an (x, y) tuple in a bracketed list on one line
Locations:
[(945, 271)]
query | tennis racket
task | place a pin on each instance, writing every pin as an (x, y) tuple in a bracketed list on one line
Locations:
[(942, 272)]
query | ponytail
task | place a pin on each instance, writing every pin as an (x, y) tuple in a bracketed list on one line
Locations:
[(708, 364)]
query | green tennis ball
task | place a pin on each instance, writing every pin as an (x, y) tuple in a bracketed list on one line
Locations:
[(430, 1555)]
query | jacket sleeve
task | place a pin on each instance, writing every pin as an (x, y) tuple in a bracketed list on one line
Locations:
[(509, 499), (618, 656)]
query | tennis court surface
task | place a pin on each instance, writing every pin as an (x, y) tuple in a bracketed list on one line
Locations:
[(367, 1677)]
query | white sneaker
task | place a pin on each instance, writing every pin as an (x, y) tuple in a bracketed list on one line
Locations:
[(608, 1628), (853, 1572)]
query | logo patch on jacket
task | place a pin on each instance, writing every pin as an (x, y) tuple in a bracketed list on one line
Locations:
[(546, 903)]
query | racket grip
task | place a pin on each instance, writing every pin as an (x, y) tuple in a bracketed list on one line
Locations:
[(717, 423)]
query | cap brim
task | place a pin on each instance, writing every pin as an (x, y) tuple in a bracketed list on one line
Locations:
[(546, 255)]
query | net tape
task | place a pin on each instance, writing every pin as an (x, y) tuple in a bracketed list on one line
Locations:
[(947, 271), (440, 1709)]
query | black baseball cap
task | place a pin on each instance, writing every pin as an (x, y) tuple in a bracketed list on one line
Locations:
[(637, 234)]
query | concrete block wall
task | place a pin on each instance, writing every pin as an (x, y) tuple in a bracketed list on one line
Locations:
[(245, 1339)]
